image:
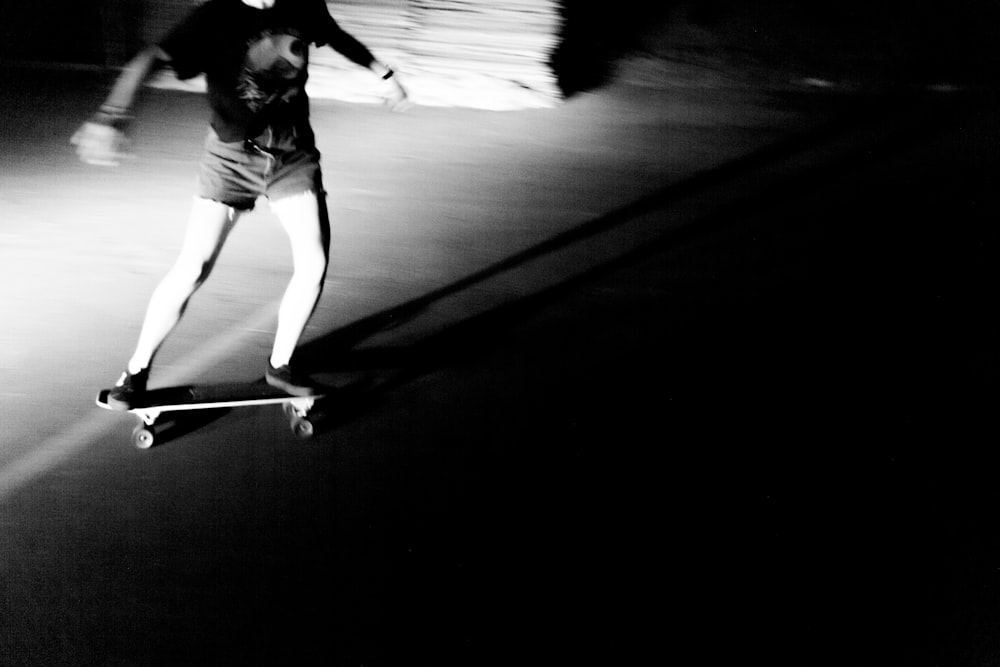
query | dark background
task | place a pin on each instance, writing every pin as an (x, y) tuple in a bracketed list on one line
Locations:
[(769, 435)]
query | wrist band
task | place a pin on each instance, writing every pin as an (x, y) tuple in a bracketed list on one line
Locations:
[(111, 110), (112, 116)]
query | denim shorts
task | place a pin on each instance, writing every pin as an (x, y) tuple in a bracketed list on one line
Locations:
[(237, 173)]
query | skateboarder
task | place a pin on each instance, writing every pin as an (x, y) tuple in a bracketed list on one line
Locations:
[(254, 54)]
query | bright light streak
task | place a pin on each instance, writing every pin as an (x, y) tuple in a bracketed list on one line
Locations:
[(58, 448)]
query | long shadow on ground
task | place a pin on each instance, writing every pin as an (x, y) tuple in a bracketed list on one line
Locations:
[(727, 196)]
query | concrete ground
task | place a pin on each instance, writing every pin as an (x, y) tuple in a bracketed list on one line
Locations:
[(699, 371)]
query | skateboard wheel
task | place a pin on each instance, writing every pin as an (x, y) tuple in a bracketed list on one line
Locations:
[(143, 437), (302, 427)]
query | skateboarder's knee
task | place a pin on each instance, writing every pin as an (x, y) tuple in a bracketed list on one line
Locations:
[(311, 269), (190, 272)]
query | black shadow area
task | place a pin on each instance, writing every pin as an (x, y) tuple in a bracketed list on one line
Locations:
[(172, 426), (834, 149)]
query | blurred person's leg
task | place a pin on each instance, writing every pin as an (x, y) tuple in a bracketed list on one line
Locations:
[(304, 218), (208, 226)]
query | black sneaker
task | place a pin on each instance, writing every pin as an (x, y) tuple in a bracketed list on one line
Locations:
[(282, 378), (129, 390)]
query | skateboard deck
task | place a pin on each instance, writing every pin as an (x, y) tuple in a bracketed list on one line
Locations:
[(213, 396)]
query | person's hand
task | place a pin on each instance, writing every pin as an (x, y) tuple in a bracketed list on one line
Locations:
[(396, 97), (100, 144)]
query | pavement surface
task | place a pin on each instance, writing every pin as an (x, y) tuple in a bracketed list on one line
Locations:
[(702, 373)]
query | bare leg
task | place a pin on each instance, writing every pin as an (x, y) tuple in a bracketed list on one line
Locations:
[(208, 226), (307, 224)]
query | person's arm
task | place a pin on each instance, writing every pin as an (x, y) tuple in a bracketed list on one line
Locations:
[(101, 140), (352, 49), (396, 97), (122, 96)]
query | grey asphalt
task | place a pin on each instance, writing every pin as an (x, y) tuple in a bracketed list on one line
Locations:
[(706, 371)]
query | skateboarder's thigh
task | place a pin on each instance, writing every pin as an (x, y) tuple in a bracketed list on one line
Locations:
[(305, 220), (209, 224)]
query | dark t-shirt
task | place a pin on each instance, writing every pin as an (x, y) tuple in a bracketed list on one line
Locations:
[(255, 62)]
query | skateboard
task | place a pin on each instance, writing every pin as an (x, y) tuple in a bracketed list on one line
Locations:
[(213, 396)]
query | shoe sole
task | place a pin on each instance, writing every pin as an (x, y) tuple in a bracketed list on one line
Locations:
[(119, 404), (289, 388)]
